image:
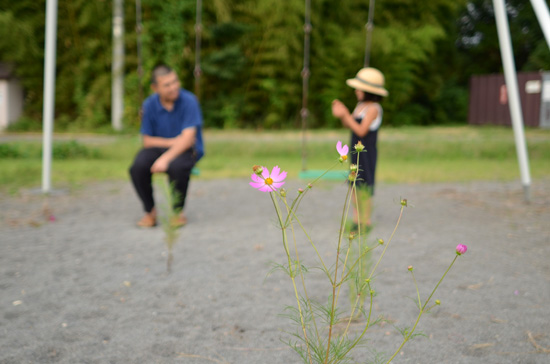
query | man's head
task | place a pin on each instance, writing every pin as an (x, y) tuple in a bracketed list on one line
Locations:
[(165, 82)]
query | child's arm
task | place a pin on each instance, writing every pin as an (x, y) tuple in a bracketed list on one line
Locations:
[(340, 111)]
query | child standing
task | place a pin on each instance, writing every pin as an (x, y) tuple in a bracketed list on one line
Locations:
[(364, 123)]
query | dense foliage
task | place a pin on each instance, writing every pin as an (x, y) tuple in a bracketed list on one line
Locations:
[(252, 56)]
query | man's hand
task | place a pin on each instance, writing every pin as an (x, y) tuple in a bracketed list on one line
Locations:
[(160, 165), (176, 146)]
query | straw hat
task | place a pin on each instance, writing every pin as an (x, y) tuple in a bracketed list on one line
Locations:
[(369, 80)]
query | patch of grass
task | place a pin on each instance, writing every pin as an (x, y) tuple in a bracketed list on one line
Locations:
[(406, 155), (458, 154), (9, 151)]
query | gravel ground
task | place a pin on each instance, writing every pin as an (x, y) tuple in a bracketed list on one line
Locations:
[(80, 284)]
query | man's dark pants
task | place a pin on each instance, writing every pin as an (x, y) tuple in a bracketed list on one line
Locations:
[(178, 172)]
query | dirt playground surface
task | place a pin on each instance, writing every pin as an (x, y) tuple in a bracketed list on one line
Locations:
[(79, 283)]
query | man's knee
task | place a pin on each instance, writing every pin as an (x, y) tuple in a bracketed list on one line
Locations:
[(181, 167), (180, 173), (139, 168), (143, 161)]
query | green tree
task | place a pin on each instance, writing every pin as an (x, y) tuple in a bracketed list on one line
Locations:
[(252, 56), (478, 42)]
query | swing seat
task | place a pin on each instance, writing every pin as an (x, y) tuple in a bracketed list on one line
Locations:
[(329, 176)]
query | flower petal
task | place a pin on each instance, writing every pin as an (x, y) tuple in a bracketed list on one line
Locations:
[(257, 184), (280, 177), (267, 188), (342, 150), (256, 178), (265, 172), (278, 184), (275, 172)]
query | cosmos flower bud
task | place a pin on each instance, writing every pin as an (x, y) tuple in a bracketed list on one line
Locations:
[(381, 241), (461, 249), (352, 176), (404, 202), (437, 302), (353, 167), (359, 147), (257, 169), (300, 190), (410, 268), (283, 192)]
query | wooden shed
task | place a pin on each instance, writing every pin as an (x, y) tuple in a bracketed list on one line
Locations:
[(489, 99), (11, 96)]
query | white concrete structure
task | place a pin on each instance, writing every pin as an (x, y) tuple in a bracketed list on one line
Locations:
[(511, 78), (50, 47), (11, 97)]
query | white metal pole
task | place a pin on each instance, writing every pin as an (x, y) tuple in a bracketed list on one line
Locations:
[(513, 94), (49, 93), (117, 94), (543, 16)]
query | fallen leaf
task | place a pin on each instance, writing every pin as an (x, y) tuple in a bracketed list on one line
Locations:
[(532, 340), (475, 286), (497, 320), (482, 346)]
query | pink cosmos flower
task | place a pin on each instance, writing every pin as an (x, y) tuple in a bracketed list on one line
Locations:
[(342, 150), (268, 182), (461, 249)]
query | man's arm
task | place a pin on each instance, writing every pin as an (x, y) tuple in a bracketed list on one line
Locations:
[(158, 142), (175, 146)]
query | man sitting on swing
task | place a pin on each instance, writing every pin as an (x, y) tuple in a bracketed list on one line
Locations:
[(171, 126)]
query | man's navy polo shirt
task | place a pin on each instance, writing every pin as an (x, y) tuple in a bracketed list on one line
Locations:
[(159, 122)]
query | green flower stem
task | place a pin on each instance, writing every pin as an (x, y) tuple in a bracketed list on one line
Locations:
[(339, 284), (367, 324), (417, 291), (370, 276), (334, 297), (407, 338), (313, 245), (357, 261), (342, 226), (283, 229), (388, 243), (355, 305), (345, 213), (438, 283), (325, 172), (290, 269), (357, 201), (309, 306), (293, 207)]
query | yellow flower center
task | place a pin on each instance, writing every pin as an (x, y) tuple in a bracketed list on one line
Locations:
[(268, 181), (344, 157)]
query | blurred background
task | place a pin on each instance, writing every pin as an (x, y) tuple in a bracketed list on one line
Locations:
[(252, 58)]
